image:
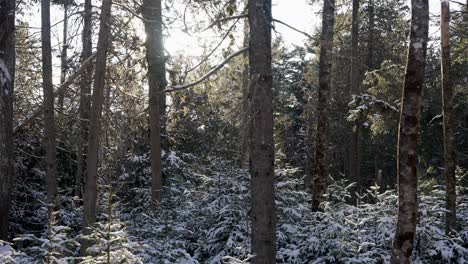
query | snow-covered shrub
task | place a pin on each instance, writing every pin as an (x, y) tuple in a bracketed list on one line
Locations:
[(54, 245), (109, 238)]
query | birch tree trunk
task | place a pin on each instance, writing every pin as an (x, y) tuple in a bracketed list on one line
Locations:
[(449, 137), (7, 76), (410, 112), (263, 213), (319, 180), (157, 81)]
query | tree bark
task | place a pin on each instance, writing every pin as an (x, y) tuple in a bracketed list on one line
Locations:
[(354, 159), (322, 137), (90, 193), (245, 111), (7, 63), (310, 142), (449, 137), (408, 134), (48, 105), (85, 92), (263, 213), (370, 54), (157, 82), (63, 53)]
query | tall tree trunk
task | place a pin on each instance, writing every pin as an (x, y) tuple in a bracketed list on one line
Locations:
[(48, 105), (156, 80), (322, 137), (354, 159), (90, 193), (310, 142), (449, 137), (63, 53), (245, 111), (261, 141), (85, 92), (370, 53), (7, 76), (408, 134)]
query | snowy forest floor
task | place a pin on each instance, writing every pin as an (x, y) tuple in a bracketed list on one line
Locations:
[(204, 218)]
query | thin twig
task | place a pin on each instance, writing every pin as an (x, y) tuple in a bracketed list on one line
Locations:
[(61, 88), (224, 19), (214, 49)]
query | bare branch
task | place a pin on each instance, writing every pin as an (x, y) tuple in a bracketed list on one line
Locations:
[(293, 28), (60, 89), (224, 19), (215, 48), (207, 75)]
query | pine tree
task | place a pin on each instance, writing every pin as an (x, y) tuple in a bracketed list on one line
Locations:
[(261, 136), (7, 73), (319, 180)]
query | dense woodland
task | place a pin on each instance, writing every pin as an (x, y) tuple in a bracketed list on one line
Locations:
[(351, 147)]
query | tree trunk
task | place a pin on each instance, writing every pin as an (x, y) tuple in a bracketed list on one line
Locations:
[(449, 137), (245, 111), (63, 54), (408, 134), (90, 193), (7, 66), (322, 137), (156, 80), (370, 54), (354, 159), (48, 105), (85, 92), (261, 142), (310, 143)]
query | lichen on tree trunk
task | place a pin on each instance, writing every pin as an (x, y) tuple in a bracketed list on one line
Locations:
[(407, 155)]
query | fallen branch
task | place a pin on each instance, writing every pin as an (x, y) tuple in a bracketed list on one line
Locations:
[(60, 89), (207, 75)]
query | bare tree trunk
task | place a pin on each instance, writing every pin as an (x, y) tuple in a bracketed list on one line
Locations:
[(310, 143), (408, 134), (156, 79), (322, 138), (263, 213), (7, 76), (245, 111), (354, 159), (63, 53), (85, 92), (449, 137), (370, 54), (90, 193), (48, 105)]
